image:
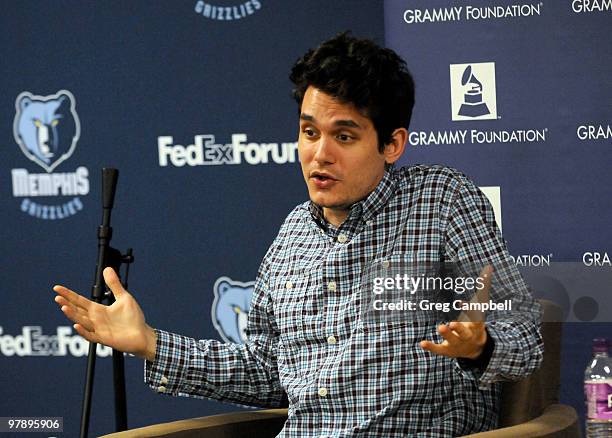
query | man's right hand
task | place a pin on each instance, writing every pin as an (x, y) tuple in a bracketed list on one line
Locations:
[(121, 325)]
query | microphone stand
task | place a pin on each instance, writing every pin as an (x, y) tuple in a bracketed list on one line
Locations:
[(107, 256)]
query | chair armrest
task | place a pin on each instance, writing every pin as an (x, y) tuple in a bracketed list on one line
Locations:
[(558, 421), (253, 424)]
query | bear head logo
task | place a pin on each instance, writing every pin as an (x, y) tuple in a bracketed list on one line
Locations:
[(231, 307), (46, 128)]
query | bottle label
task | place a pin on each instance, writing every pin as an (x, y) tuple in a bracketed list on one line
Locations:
[(599, 400)]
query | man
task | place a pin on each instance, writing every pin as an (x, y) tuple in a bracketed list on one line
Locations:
[(312, 332)]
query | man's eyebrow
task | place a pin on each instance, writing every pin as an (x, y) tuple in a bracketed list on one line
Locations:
[(348, 123)]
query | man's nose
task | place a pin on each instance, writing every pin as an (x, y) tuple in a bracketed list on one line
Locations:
[(325, 151)]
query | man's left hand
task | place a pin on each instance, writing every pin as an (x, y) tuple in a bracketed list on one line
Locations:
[(466, 337)]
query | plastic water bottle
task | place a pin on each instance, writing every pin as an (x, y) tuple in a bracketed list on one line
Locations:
[(598, 391)]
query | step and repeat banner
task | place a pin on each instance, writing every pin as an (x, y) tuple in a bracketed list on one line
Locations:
[(518, 95), (190, 100)]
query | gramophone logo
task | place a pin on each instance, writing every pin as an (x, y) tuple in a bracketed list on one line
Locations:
[(473, 94)]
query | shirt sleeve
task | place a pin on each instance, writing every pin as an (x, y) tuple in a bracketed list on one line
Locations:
[(473, 241), (245, 374)]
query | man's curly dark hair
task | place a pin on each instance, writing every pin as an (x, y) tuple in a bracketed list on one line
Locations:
[(358, 71)]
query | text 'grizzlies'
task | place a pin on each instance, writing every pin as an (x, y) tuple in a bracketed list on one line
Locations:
[(227, 12)]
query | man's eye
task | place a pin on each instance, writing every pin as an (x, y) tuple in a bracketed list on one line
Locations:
[(309, 132), (344, 137)]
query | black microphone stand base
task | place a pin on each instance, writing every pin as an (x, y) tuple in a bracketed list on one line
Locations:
[(115, 260)]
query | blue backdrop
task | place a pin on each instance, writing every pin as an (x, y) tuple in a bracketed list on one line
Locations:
[(191, 101), (545, 145)]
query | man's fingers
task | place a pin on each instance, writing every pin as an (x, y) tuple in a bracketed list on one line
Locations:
[(72, 297), (487, 275), (112, 281), (461, 339), (442, 348), (77, 317), (61, 301), (448, 334), (90, 336), (462, 329), (480, 296)]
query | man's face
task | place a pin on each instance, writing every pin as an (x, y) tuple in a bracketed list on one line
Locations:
[(338, 149)]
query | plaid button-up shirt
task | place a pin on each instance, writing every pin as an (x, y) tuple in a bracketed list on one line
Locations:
[(350, 376)]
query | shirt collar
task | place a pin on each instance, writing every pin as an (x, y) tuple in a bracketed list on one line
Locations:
[(365, 209)]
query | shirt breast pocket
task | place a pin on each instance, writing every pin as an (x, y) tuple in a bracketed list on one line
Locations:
[(289, 295)]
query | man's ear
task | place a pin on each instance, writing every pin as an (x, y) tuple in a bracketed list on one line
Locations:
[(395, 148)]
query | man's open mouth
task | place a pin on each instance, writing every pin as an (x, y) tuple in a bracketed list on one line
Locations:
[(319, 176)]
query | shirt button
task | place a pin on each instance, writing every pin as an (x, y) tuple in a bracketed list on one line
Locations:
[(161, 389), (342, 238), (322, 392), (331, 286), (331, 339), (289, 285), (386, 264), (164, 380), (369, 223)]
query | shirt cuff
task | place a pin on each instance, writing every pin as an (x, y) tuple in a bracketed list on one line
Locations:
[(165, 374), (482, 369)]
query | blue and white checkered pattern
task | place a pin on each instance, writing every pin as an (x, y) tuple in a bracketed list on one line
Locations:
[(346, 376)]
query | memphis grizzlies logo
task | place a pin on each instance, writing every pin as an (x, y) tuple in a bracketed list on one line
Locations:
[(46, 128), (231, 307)]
